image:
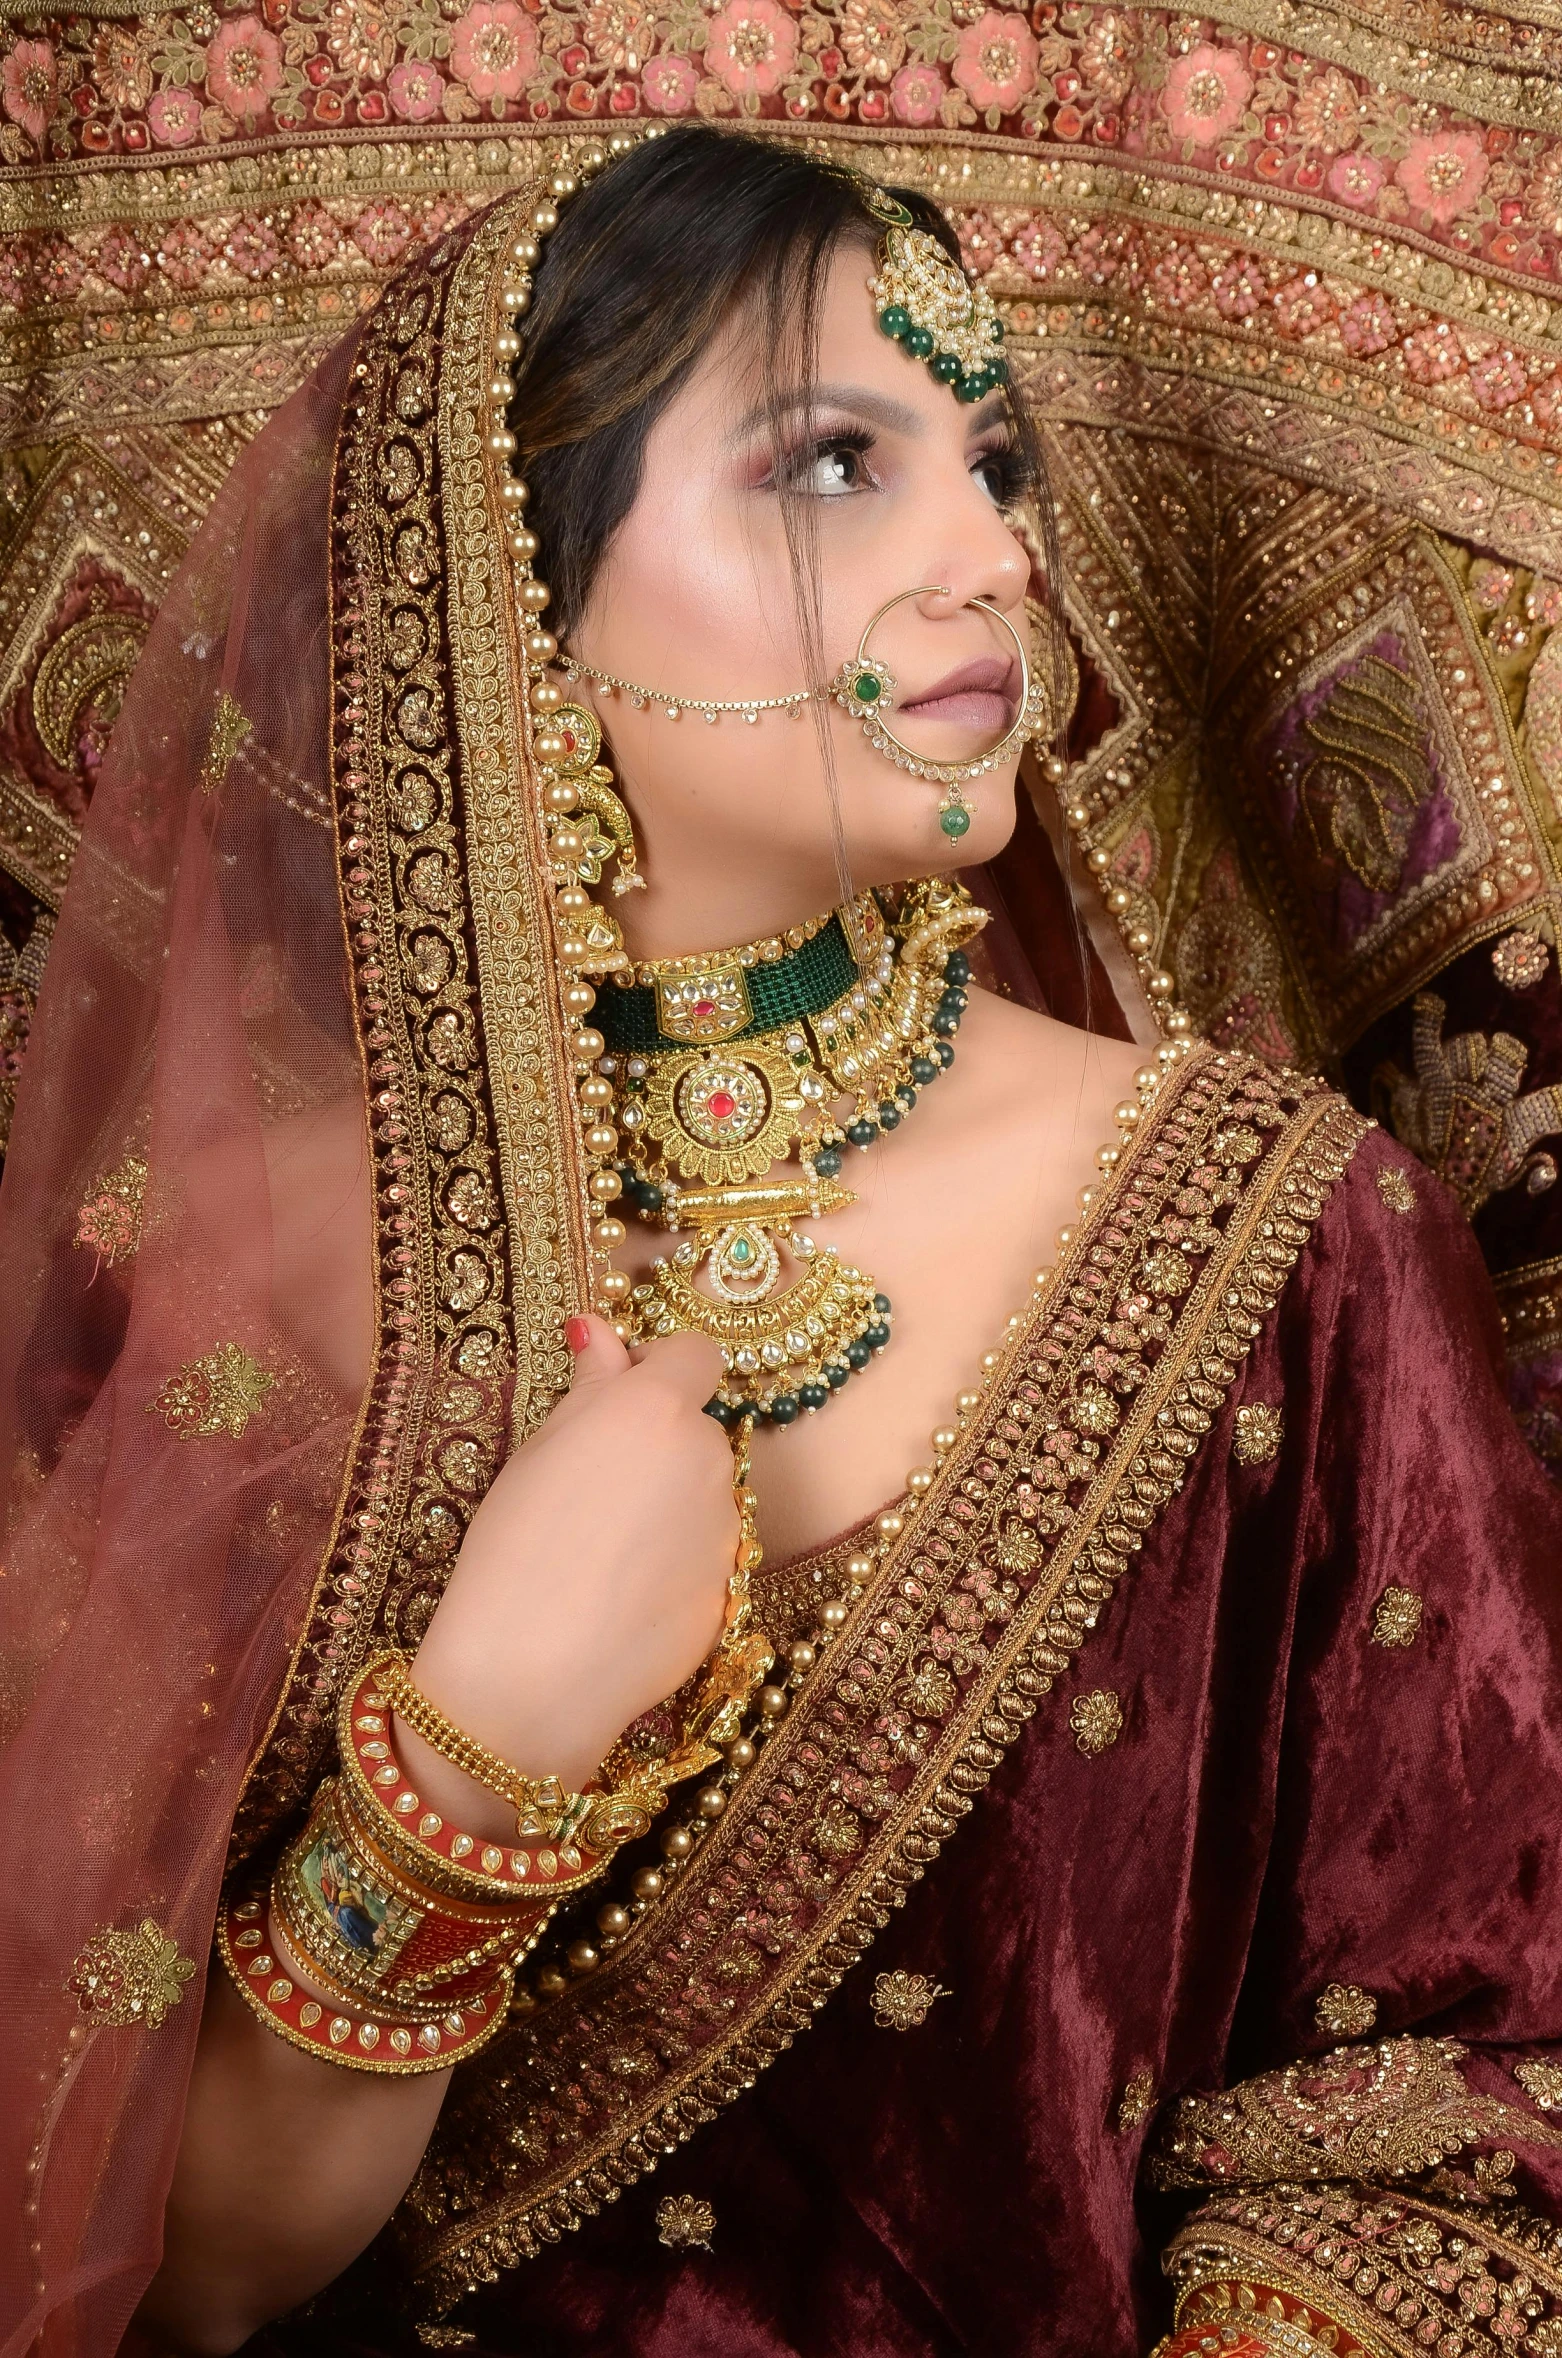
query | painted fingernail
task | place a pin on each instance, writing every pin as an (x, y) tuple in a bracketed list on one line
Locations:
[(577, 1333)]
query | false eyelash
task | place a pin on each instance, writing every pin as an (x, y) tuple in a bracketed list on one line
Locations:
[(792, 465), (1016, 473)]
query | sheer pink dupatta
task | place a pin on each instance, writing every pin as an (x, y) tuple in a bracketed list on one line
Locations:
[(185, 1271)]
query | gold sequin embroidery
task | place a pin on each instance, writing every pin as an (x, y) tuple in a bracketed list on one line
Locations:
[(1396, 1190), (1136, 2103), (218, 1393), (1260, 1430), (1396, 1618), (122, 1978), (1543, 2081), (231, 725), (684, 2222), (1097, 1720), (109, 1221), (903, 2001), (1345, 2011)]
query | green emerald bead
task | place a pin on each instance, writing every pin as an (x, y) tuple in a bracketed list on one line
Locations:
[(945, 367), (998, 331), (972, 387), (954, 819), (997, 372), (919, 343), (895, 319), (867, 688)]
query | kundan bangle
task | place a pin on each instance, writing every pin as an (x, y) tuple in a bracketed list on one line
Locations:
[(538, 1802), (360, 2041), (362, 1926)]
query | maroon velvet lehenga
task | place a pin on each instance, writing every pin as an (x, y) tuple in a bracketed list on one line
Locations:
[(1163, 1862)]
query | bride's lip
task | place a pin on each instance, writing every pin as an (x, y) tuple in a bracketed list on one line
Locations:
[(980, 694)]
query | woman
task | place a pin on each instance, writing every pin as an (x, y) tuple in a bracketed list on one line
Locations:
[(367, 1122)]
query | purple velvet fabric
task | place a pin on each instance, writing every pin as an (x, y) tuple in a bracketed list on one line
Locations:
[(1291, 1803)]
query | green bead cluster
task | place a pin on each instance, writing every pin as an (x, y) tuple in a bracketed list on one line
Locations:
[(966, 384)]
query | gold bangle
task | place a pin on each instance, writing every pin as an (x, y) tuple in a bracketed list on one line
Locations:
[(538, 1802)]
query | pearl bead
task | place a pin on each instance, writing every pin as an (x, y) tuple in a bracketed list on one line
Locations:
[(533, 595), (583, 1958), (563, 184), (541, 646), (1117, 900), (992, 1359), (596, 1091), (1098, 862), (888, 1525), (545, 218), (580, 998), (1179, 1021), (550, 1981), (1126, 1115), (1141, 938), (741, 1754), (834, 1614), (801, 1656), (966, 1401), (604, 1185), (613, 1920), (601, 1140), (1160, 985), (773, 1702), (501, 442), (526, 251), (1077, 815), (501, 389), (919, 1479), (522, 545), (588, 1043), (573, 898), (1065, 1239), (545, 697), (710, 1801), (859, 1567), (647, 1884), (613, 1284), (677, 1842), (568, 844), (945, 1438), (1108, 1157), (507, 346), (1042, 1279), (608, 1235), (561, 795), (1085, 1198)]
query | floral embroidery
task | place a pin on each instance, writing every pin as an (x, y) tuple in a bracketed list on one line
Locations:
[(1395, 1189), (1519, 960), (1137, 2102), (903, 2001), (1260, 1429), (1206, 94), (1097, 1721), (122, 1978), (1543, 2081), (109, 1221), (1345, 2011), (215, 1394), (683, 2222), (1396, 1618), (230, 727)]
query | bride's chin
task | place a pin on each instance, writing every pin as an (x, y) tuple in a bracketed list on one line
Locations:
[(915, 845)]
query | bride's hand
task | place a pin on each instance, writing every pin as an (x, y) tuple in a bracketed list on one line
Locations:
[(593, 1578)]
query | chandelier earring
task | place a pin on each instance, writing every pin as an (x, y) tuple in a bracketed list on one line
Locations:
[(866, 688), (592, 828)]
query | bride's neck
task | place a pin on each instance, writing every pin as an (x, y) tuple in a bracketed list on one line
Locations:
[(681, 917)]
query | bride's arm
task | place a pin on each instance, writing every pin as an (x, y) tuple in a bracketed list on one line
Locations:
[(591, 1583)]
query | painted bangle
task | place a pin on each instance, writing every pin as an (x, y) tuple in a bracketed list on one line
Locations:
[(357, 2042)]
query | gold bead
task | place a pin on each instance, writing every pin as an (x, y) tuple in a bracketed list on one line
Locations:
[(563, 184), (625, 1332), (526, 251), (604, 1185), (741, 1753), (1077, 815), (1054, 769), (646, 1884), (590, 158), (773, 1702), (522, 545), (501, 442), (677, 1842), (619, 143), (613, 1920), (1159, 986), (1117, 900), (580, 998), (545, 697), (919, 1479), (888, 1525), (541, 646), (801, 1656), (583, 1958), (601, 1140), (1126, 1115), (608, 1235), (596, 1092), (501, 389), (550, 1981), (966, 1401), (545, 218), (859, 1567), (834, 1613), (1141, 938), (513, 492), (945, 1438), (562, 795), (710, 1801), (613, 1284), (533, 595), (1098, 862), (507, 346), (1065, 1239)]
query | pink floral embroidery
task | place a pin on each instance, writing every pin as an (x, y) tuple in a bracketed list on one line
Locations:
[(416, 91), (1368, 326), (362, 38), (1041, 249), (1355, 179), (1302, 306), (751, 47), (1109, 53), (122, 66), (381, 232), (243, 67), (174, 117), (1432, 354), (252, 247), (184, 253), (1239, 288), (30, 86), (1545, 193), (313, 237), (1328, 112), (669, 84), (1498, 380), (493, 49), (995, 60), (1443, 174), (1206, 94), (917, 93), (620, 34), (872, 37)]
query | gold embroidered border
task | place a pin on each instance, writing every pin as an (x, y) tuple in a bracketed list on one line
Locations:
[(1530, 1299), (498, 2187)]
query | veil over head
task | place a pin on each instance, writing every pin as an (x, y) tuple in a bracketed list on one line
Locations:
[(295, 1210)]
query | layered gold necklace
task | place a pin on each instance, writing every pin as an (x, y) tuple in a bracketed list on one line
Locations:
[(728, 1067)]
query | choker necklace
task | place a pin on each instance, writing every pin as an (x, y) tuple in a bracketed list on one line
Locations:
[(716, 1069)]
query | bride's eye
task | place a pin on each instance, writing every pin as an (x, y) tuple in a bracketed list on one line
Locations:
[(832, 468), (1002, 474)]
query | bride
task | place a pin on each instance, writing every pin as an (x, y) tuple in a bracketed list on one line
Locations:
[(834, 1659)]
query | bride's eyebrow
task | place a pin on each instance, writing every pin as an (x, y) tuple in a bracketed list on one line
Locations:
[(879, 409)]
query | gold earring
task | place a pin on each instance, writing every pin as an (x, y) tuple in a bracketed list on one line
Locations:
[(579, 793), (865, 687)]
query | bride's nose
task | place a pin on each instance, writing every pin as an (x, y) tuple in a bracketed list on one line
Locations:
[(973, 554)]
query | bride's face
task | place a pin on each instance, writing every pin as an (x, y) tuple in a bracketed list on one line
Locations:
[(695, 597)]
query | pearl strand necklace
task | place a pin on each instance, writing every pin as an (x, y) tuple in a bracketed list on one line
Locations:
[(616, 1918)]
